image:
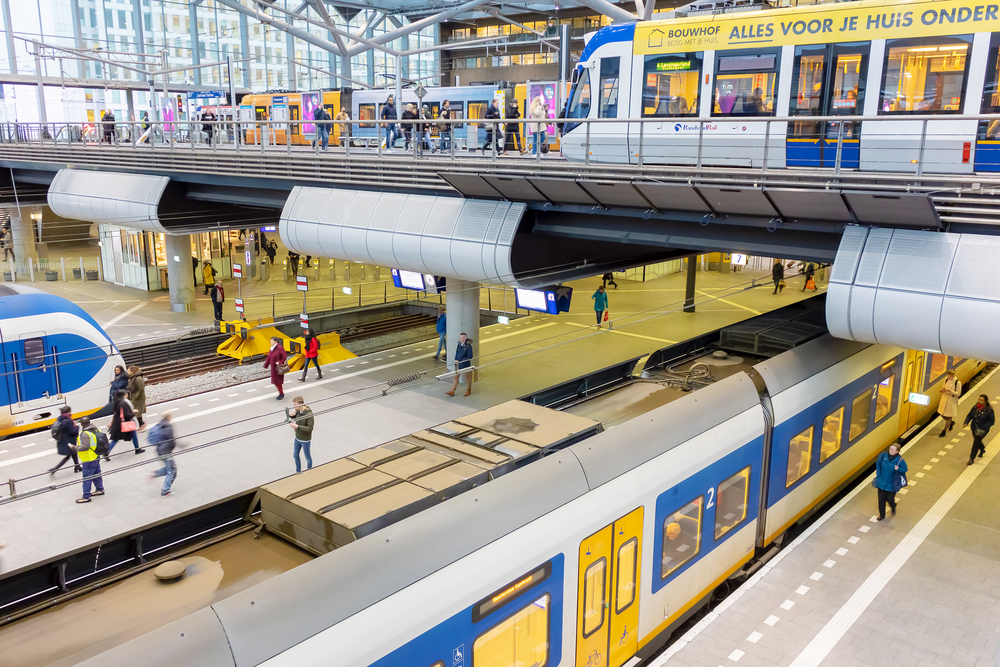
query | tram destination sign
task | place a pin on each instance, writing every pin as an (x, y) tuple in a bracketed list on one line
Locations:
[(818, 24)]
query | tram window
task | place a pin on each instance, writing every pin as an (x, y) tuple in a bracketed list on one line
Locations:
[(579, 106), (937, 368), (366, 112), (731, 502), (681, 537), (594, 581), (819, 90), (745, 84), (861, 410), (628, 559), (799, 456), (671, 85), (883, 398), (833, 430), (34, 351), (609, 87), (520, 639), (925, 75)]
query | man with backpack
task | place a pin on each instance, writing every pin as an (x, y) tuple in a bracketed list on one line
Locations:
[(91, 446), (65, 432), (161, 436), (310, 350)]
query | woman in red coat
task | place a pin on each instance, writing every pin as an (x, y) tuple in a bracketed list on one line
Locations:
[(310, 349), (276, 360)]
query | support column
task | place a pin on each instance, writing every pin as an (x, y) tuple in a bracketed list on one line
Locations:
[(179, 273), (23, 235), (692, 268), (463, 317)]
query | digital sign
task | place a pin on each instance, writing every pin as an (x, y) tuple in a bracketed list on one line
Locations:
[(552, 300), (674, 66), (501, 596), (919, 399), (414, 280)]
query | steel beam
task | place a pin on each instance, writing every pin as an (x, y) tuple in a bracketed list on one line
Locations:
[(9, 35), (612, 11), (280, 25)]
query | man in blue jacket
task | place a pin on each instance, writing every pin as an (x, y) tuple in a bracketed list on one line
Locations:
[(441, 328), (463, 359)]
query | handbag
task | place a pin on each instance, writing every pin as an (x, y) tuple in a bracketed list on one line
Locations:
[(978, 434), (902, 479), (282, 368), (127, 426), (606, 316)]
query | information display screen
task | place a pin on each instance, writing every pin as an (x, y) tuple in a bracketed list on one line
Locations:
[(408, 280), (552, 300), (530, 299)]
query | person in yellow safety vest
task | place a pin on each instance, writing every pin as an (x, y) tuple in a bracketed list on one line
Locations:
[(90, 460)]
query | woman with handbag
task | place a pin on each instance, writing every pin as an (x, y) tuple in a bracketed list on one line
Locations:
[(277, 361), (982, 419), (890, 477), (123, 425), (948, 405)]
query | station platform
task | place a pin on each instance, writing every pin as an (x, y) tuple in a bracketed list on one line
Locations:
[(236, 439), (920, 588)]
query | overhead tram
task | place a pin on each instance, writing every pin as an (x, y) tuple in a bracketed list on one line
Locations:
[(876, 85)]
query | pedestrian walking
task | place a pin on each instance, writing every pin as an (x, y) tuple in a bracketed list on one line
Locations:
[(409, 113), (345, 125), (108, 123), (890, 477), (514, 129), (444, 129), (161, 436), (137, 393), (536, 112), (778, 276), (391, 132), (90, 461), (208, 275), (428, 141), (810, 278), (218, 298), (442, 329), (65, 432), (123, 425), (310, 350), (609, 278), (600, 298), (493, 129), (8, 245), (277, 361), (948, 405), (119, 383), (323, 127), (302, 422), (982, 419), (463, 359)]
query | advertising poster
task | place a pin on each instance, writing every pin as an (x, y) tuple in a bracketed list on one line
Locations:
[(548, 93), (310, 104)]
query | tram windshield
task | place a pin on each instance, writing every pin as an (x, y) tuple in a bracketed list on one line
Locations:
[(579, 103), (925, 75)]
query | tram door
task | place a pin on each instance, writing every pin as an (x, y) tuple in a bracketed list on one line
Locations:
[(828, 80), (910, 413), (608, 599)]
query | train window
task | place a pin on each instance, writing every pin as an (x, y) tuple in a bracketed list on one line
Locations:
[(520, 639), (594, 582), (34, 351), (671, 85), (731, 502), (833, 431), (366, 112), (883, 398), (925, 75), (745, 83), (955, 361), (681, 537), (828, 80), (477, 110), (625, 573), (799, 456), (861, 411), (937, 367), (609, 87)]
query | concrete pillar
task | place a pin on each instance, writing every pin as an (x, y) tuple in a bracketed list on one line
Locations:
[(22, 231), (692, 267), (179, 273), (463, 317)]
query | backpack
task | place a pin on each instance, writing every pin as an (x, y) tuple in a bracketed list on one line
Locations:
[(102, 448), (155, 435), (54, 431)]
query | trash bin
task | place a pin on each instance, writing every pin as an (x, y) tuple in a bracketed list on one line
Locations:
[(76, 274), (8, 277), (51, 276), (92, 275)]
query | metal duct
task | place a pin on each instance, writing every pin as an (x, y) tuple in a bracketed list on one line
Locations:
[(128, 200)]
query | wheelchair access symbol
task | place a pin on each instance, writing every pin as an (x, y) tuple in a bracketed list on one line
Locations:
[(458, 656)]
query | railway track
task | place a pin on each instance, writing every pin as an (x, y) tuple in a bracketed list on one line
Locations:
[(183, 368), (391, 325)]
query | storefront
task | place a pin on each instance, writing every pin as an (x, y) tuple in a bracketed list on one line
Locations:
[(138, 259)]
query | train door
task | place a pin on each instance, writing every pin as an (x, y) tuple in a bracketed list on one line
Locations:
[(261, 112), (35, 381), (910, 412), (827, 80), (608, 594)]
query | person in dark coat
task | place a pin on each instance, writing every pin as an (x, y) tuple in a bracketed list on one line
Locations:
[(137, 393), (310, 350), (514, 129), (118, 383), (409, 113), (463, 359), (218, 298), (123, 412), (982, 419), (276, 359), (890, 471), (493, 113), (810, 274), (777, 275), (391, 131), (67, 434)]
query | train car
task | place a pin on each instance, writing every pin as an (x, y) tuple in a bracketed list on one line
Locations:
[(709, 79), (293, 114), (595, 554), (54, 354)]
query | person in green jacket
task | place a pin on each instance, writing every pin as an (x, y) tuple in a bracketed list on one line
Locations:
[(302, 423), (600, 298)]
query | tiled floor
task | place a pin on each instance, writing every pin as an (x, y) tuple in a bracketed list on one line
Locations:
[(921, 588)]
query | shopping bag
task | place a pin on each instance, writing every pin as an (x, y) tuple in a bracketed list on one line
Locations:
[(606, 317), (810, 284)]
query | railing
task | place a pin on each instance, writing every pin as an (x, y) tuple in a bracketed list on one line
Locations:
[(64, 269)]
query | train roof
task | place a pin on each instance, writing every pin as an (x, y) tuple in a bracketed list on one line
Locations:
[(23, 301)]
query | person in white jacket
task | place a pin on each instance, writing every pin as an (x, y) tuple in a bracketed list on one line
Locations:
[(536, 112)]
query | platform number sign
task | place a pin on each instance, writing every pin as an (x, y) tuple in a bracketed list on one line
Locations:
[(248, 258), (237, 271), (239, 305), (302, 283), (458, 656)]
